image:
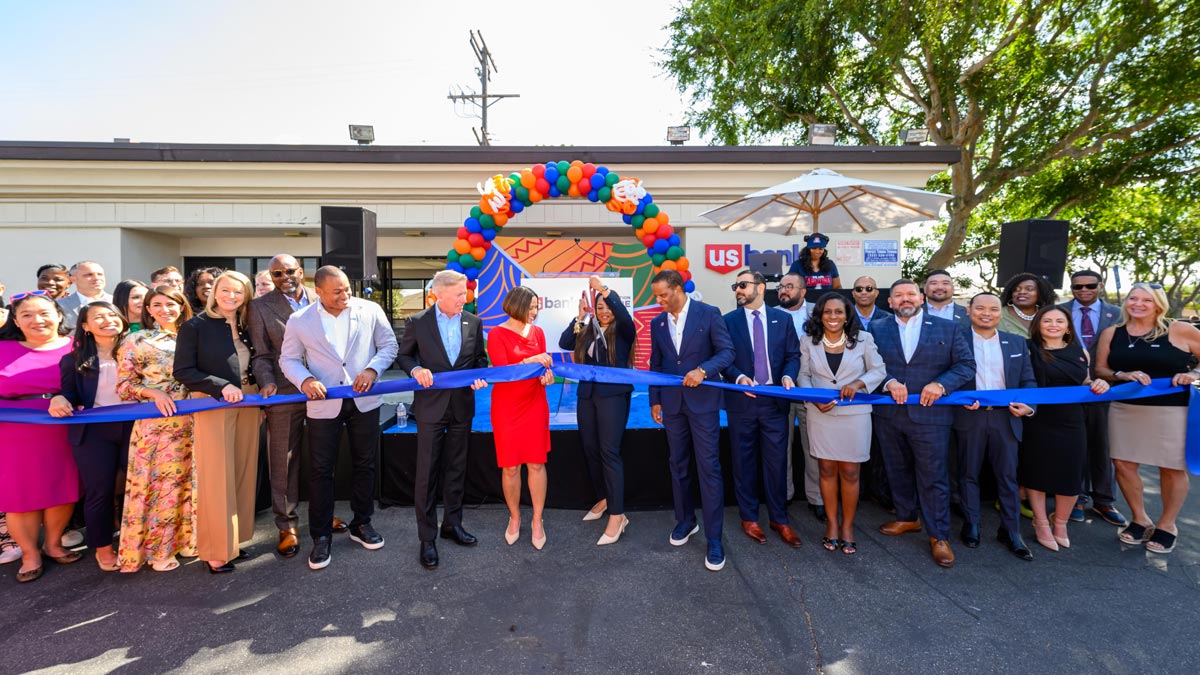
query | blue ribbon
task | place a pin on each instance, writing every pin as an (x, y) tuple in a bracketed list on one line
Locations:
[(464, 378)]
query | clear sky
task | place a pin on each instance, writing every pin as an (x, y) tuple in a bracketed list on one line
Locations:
[(300, 71)]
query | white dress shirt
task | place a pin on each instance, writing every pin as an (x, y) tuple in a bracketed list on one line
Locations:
[(989, 362), (106, 383), (676, 324), (910, 334), (337, 328), (762, 316), (946, 312), (799, 317)]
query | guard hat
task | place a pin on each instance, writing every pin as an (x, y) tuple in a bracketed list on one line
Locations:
[(816, 240)]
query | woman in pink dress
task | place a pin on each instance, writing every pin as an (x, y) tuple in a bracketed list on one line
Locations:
[(520, 411), (39, 484)]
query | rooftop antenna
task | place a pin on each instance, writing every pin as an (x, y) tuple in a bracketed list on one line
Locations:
[(483, 100)]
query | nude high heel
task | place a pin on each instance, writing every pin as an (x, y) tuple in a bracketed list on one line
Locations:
[(605, 540), (512, 538), (1043, 534), (539, 543), (1063, 541)]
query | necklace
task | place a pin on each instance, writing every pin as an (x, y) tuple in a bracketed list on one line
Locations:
[(1133, 339), (834, 345), (1022, 315)]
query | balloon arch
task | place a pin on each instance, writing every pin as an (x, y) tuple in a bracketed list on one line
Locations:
[(503, 197)]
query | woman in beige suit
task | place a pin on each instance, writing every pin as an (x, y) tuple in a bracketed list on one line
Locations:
[(835, 353)]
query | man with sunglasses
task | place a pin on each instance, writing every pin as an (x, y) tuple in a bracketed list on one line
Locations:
[(285, 423), (1090, 316), (865, 293)]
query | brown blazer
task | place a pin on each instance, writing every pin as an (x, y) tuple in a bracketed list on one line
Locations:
[(266, 322)]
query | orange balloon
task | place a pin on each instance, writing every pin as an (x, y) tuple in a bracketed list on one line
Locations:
[(478, 253), (650, 225), (528, 180), (574, 191), (574, 174), (681, 265), (430, 300), (578, 163), (462, 246), (667, 265), (501, 219), (662, 218), (470, 296), (535, 196)]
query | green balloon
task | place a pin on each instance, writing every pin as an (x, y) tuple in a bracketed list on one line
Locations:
[(470, 307), (611, 179), (651, 210), (675, 253), (605, 193), (563, 184), (637, 221), (658, 259), (562, 168), (514, 178), (467, 261), (520, 193), (527, 202), (476, 212), (487, 221)]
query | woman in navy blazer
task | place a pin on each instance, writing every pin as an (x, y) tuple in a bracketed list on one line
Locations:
[(101, 449), (603, 408)]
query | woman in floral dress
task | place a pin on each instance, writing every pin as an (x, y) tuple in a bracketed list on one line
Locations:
[(159, 518)]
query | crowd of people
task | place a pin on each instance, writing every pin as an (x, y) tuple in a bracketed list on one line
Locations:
[(183, 485)]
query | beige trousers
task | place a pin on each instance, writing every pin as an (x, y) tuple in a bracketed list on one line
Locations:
[(226, 460)]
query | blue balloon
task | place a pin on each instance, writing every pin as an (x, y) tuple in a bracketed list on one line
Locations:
[(489, 234), (661, 246), (689, 286), (597, 181), (673, 240), (554, 191), (640, 207), (602, 170), (473, 272), (627, 218), (647, 199), (472, 225), (551, 175), (516, 206), (593, 196), (455, 266)]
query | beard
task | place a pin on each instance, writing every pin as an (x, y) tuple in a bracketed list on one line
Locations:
[(907, 312), (790, 303)]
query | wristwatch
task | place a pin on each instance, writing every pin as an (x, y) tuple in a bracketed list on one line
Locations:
[(702, 371)]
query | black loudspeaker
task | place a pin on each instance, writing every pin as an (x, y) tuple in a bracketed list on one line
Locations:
[(1037, 246), (348, 241)]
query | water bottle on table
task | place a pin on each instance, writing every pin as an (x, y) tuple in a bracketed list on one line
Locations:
[(401, 416)]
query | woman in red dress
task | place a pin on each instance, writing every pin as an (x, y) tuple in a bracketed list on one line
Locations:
[(520, 411)]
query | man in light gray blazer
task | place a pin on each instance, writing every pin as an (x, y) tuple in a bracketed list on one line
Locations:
[(1089, 317), (88, 277), (339, 340)]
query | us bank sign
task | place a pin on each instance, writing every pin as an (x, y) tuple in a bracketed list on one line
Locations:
[(726, 258)]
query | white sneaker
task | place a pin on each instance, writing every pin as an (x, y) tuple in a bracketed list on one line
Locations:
[(72, 538), (11, 554)]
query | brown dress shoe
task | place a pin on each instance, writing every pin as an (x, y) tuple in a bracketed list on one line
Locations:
[(942, 555), (753, 531), (340, 526), (289, 544), (787, 534), (897, 527)]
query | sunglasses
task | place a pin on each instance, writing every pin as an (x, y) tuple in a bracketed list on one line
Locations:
[(285, 272), (1157, 287), (864, 289), (21, 296), (1080, 287), (741, 285)]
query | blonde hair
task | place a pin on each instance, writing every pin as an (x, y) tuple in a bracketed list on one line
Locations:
[(210, 307), (1162, 325)]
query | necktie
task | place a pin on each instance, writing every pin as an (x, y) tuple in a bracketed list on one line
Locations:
[(760, 350), (1087, 330)]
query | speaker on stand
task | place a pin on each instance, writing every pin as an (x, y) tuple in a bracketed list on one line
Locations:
[(348, 241), (1037, 246)]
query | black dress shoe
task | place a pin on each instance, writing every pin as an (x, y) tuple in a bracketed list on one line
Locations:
[(366, 536), (459, 535), (243, 555), (340, 526), (970, 535), (220, 569), (429, 557), (320, 556), (1015, 543), (818, 512)]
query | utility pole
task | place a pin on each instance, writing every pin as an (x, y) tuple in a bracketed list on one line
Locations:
[(485, 69)]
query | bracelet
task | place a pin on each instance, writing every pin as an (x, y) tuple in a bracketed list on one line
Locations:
[(1117, 374)]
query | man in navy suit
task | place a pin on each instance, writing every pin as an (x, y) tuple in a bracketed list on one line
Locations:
[(1001, 362), (930, 356), (690, 339), (766, 351), (939, 298)]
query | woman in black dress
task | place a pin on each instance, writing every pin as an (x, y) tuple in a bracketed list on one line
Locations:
[(1053, 453)]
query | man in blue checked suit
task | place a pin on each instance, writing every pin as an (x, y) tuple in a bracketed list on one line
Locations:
[(993, 433), (927, 356), (690, 339), (766, 351)]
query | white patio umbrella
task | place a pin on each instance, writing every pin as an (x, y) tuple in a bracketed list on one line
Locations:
[(826, 201)]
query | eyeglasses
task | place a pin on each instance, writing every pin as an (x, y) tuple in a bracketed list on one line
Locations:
[(788, 287), (741, 285), (284, 272), (1080, 287), (864, 289), (21, 296)]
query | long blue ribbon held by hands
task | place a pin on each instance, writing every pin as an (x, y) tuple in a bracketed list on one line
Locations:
[(464, 378)]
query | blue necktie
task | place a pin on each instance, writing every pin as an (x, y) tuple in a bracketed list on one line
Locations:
[(760, 350)]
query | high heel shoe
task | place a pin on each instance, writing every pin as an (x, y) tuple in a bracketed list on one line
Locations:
[(1043, 534), (605, 540), (512, 537), (539, 543), (1063, 541), (593, 514)]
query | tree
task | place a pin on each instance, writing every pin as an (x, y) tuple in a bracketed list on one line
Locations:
[(1018, 87)]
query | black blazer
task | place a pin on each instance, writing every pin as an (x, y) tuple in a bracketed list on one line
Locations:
[(422, 346), (80, 390), (208, 369), (626, 335)]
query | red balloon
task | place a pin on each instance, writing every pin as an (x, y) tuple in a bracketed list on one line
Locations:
[(686, 274), (476, 239), (664, 231), (471, 284), (588, 170), (463, 233), (649, 240), (538, 170), (542, 186), (584, 186)]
